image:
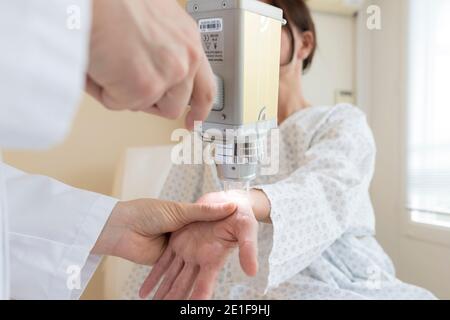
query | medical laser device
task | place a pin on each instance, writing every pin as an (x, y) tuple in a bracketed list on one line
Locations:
[(241, 39)]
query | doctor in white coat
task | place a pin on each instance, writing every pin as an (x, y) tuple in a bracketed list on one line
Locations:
[(143, 55)]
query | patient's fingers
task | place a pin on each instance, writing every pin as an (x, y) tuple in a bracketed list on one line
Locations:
[(156, 274), (248, 246), (205, 284), (182, 286), (169, 278)]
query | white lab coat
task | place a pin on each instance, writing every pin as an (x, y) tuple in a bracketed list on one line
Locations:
[(47, 229)]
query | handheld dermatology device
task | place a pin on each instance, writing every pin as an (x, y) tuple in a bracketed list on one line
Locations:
[(241, 39)]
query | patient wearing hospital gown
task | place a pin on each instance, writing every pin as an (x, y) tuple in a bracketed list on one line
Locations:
[(321, 242)]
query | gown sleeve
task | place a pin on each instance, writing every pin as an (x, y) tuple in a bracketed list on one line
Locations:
[(319, 201)]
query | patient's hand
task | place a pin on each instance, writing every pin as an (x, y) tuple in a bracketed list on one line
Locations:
[(196, 254)]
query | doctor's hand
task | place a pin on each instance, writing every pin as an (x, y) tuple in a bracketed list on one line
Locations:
[(146, 55), (197, 253), (138, 230)]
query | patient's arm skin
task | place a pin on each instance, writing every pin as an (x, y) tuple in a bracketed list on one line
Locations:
[(260, 205), (196, 254)]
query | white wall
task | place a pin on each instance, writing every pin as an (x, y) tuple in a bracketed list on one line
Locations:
[(334, 64), (381, 89)]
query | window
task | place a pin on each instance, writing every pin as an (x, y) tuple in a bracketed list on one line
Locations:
[(428, 146)]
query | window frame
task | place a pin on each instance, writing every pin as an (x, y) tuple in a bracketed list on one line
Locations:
[(416, 230)]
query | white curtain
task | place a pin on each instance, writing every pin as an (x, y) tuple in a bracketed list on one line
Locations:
[(428, 152)]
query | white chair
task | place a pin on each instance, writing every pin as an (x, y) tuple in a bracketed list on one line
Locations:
[(141, 173)]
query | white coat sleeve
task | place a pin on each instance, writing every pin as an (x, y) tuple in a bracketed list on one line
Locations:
[(318, 203), (52, 229), (43, 58)]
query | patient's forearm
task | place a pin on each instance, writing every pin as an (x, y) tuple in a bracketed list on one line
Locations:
[(260, 205)]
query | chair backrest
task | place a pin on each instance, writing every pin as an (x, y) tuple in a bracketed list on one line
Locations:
[(141, 173)]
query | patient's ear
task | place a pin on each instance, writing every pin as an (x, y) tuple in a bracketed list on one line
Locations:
[(306, 43)]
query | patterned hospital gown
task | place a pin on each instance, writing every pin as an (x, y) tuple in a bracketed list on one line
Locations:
[(321, 244)]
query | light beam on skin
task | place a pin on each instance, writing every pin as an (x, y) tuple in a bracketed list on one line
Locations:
[(238, 192), (237, 186)]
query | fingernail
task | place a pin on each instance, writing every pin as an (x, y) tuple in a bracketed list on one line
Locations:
[(230, 206)]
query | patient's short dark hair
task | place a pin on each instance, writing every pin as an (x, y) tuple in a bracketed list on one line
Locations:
[(298, 15)]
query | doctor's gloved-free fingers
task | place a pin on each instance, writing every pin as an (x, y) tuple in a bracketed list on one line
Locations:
[(93, 89), (157, 273), (175, 101), (203, 94)]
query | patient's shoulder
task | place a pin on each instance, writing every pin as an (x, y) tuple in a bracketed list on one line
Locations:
[(345, 110), (318, 118), (341, 116), (318, 122), (317, 115), (345, 121)]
